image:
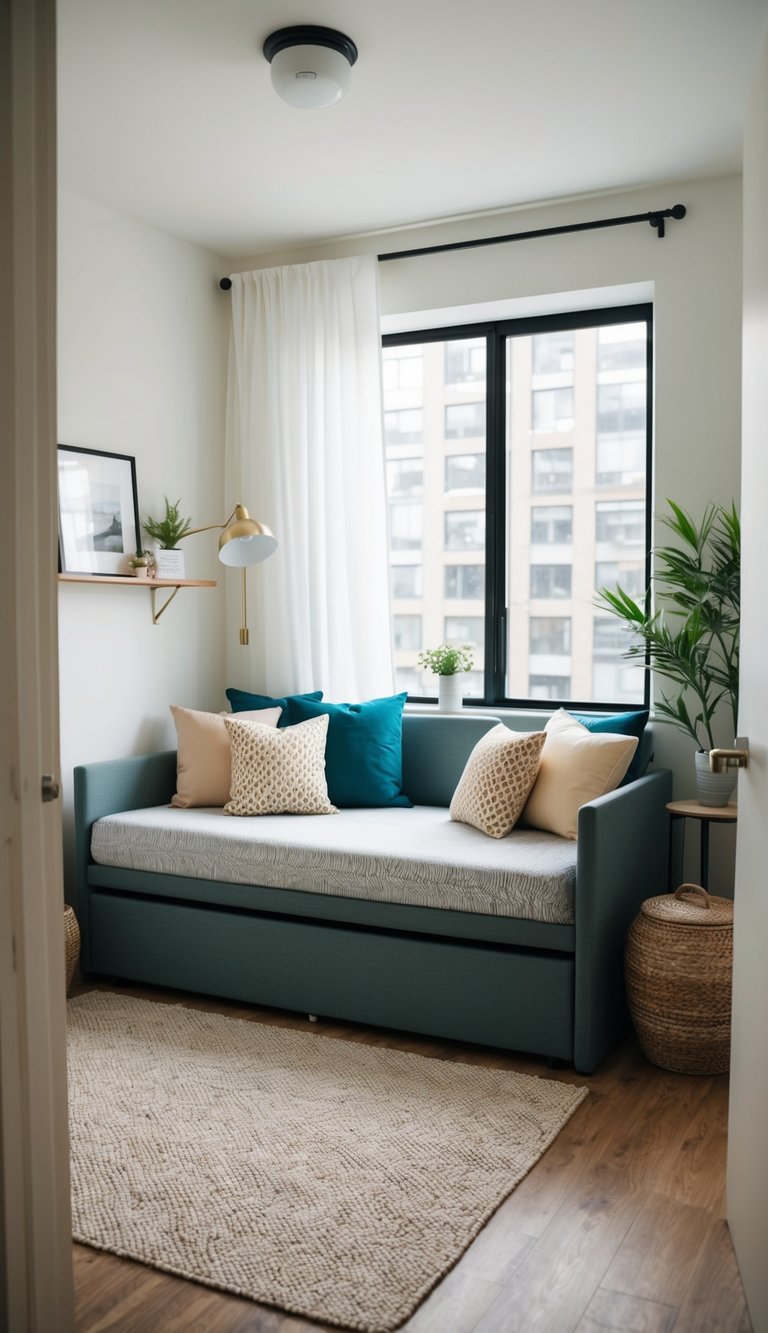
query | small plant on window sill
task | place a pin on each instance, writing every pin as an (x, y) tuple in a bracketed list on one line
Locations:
[(447, 659)]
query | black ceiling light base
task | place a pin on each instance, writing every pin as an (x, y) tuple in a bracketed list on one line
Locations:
[(304, 34)]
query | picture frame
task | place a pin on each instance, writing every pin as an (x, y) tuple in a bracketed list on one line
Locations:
[(98, 511)]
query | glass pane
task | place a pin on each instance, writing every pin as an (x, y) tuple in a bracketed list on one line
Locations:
[(587, 387), (435, 395)]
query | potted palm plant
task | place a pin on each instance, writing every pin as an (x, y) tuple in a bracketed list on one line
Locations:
[(168, 532), (687, 630), (448, 661)]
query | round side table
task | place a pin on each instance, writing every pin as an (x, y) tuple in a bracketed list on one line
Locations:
[(706, 815)]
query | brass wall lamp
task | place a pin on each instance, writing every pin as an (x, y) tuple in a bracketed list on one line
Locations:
[(243, 541)]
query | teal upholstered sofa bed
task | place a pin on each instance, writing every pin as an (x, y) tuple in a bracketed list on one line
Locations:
[(549, 988)]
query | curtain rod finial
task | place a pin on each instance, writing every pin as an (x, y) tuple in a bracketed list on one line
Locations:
[(225, 284)]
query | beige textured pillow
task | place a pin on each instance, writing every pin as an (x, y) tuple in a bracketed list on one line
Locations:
[(496, 781), (203, 768), (278, 772), (577, 765)]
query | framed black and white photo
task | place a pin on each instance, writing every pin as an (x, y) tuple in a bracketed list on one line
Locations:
[(98, 511)]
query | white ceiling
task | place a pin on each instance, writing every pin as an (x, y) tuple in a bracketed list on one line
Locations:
[(167, 114)]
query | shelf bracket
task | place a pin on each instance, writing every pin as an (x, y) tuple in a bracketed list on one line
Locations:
[(157, 614)]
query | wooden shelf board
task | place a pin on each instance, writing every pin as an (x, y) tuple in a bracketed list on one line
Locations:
[(130, 579)]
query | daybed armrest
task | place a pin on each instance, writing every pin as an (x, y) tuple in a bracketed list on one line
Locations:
[(622, 858), (107, 788)]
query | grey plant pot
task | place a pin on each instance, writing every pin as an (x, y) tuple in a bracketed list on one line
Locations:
[(713, 788)]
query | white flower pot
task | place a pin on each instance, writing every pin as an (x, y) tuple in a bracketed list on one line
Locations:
[(450, 692), (713, 788), (169, 564)]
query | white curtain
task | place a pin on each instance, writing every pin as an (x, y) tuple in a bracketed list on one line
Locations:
[(304, 453)]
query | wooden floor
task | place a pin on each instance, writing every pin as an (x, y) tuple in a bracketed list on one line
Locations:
[(620, 1226)]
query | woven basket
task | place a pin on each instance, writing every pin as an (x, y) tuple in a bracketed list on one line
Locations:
[(71, 943), (678, 964)]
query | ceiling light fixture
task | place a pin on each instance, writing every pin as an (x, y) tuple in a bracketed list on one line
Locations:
[(310, 66)]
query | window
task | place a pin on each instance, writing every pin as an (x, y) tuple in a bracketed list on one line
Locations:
[(405, 527), (549, 687), (550, 581), (403, 426), (552, 409), (405, 581), (525, 486), (465, 472), (551, 525), (465, 629), (401, 372), (464, 420), (550, 636), (465, 362), (407, 633), (552, 352), (465, 530), (552, 471), (405, 476), (464, 581)]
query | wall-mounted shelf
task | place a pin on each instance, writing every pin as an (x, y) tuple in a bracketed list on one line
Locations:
[(129, 580)]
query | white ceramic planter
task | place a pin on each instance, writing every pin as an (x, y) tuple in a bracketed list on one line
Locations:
[(713, 788), (450, 692), (169, 564)]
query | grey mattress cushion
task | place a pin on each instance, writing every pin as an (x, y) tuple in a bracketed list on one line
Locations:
[(416, 856)]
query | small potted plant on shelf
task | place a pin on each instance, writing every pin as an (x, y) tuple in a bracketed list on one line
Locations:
[(142, 564), (689, 634), (448, 661), (168, 532)]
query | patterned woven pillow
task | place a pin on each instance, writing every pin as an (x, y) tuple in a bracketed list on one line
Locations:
[(278, 772), (498, 776)]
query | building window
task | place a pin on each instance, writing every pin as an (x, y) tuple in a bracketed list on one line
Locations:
[(465, 530), (551, 471), (550, 636), (405, 476), (550, 581), (464, 421), (405, 527), (501, 503), (613, 677), (549, 687), (405, 581), (551, 525), (401, 372), (465, 629), (464, 581), (465, 361), (465, 472), (407, 633), (404, 426), (552, 409), (553, 352)]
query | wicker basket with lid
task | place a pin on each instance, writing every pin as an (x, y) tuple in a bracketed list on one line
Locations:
[(678, 963)]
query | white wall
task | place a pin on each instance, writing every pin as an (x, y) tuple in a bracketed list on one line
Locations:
[(695, 275), (141, 371), (747, 1146)]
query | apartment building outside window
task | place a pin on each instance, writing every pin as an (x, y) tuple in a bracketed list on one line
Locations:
[(526, 490)]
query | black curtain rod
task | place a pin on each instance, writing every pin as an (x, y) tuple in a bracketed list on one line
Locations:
[(655, 218)]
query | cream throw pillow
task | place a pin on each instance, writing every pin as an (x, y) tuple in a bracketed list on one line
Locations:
[(278, 772), (203, 767), (496, 781), (577, 765)]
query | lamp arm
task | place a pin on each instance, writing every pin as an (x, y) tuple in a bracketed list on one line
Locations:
[(209, 527)]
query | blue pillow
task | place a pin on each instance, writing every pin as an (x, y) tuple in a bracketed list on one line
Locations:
[(622, 724), (364, 749), (242, 702)]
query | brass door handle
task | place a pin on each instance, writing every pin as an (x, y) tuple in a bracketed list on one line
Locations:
[(720, 760)]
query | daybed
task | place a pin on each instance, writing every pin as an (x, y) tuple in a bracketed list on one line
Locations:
[(395, 932)]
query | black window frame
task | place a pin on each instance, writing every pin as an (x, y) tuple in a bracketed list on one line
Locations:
[(496, 334)]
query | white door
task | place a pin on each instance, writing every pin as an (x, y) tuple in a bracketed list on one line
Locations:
[(748, 1125), (35, 1245)]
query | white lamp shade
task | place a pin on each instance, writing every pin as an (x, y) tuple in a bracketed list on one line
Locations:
[(310, 76)]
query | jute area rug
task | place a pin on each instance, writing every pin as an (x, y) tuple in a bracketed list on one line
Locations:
[(335, 1180)]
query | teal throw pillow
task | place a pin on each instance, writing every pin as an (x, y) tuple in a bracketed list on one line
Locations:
[(242, 702), (364, 749), (622, 724)]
